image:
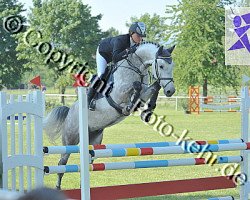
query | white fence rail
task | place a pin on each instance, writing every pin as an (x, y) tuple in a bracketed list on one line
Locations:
[(175, 100)]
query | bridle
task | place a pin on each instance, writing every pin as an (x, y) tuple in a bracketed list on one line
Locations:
[(158, 78)]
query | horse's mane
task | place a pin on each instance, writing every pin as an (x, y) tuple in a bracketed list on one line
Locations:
[(149, 42)]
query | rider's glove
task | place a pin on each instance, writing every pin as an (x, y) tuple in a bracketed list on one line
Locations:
[(132, 49)]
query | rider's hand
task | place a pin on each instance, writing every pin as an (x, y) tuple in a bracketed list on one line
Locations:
[(132, 49)]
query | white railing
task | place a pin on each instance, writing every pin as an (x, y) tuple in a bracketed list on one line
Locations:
[(174, 99), (30, 154)]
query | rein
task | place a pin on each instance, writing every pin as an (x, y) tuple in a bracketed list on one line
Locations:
[(133, 68)]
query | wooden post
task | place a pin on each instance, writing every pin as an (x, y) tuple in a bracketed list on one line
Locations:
[(194, 100)]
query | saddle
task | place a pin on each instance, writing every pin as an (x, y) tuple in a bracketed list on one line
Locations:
[(103, 87)]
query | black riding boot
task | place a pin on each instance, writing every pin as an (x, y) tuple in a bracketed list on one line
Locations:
[(97, 85)]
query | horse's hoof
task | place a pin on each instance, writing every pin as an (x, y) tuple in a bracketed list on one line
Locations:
[(58, 187), (146, 116), (126, 111), (92, 105)]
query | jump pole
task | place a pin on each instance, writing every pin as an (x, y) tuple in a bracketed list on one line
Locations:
[(76, 148), (143, 164)]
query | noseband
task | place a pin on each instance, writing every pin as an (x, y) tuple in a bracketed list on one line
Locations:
[(158, 78)]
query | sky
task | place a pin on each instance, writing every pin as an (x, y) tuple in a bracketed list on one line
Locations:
[(113, 16)]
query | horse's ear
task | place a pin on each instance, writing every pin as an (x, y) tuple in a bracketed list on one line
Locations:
[(170, 50), (159, 52)]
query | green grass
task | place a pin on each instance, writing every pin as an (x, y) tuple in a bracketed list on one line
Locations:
[(206, 126)]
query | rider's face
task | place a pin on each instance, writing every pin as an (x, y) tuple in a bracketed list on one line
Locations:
[(136, 38)]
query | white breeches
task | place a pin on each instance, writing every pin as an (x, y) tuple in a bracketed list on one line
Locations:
[(101, 63)]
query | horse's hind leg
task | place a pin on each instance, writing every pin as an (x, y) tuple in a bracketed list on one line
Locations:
[(94, 138), (63, 161), (67, 139)]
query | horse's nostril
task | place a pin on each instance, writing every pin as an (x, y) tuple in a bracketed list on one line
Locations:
[(168, 92)]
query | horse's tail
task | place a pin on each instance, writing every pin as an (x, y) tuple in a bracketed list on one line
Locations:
[(54, 121)]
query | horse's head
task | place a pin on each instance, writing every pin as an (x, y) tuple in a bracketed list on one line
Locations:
[(162, 69), (151, 54)]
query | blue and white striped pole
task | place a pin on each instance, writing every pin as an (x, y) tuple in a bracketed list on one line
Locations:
[(222, 198), (141, 164)]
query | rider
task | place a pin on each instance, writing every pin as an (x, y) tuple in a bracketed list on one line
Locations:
[(115, 49)]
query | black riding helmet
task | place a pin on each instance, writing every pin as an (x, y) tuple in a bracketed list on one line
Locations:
[(139, 28)]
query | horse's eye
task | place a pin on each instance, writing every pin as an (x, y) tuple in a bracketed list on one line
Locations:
[(161, 66)]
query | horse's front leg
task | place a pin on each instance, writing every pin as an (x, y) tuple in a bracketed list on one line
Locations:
[(137, 87), (152, 94)]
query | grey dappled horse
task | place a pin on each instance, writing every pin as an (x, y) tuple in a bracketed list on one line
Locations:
[(64, 120)]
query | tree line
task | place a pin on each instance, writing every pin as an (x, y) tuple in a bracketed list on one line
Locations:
[(196, 27)]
